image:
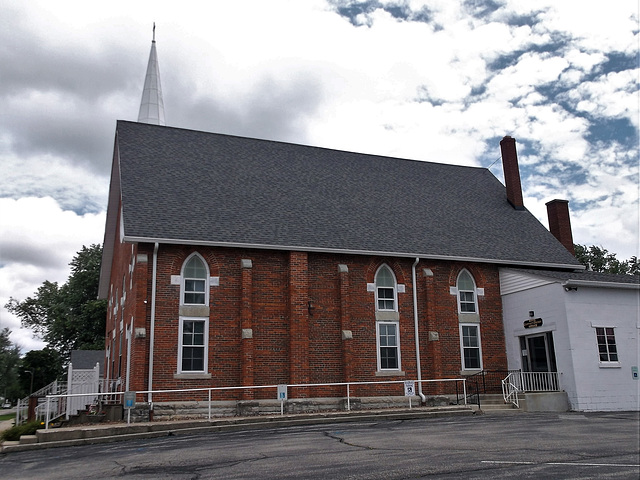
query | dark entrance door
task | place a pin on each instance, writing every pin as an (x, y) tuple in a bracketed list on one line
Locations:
[(538, 358)]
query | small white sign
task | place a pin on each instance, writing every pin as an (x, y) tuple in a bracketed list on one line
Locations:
[(409, 388), (282, 392)]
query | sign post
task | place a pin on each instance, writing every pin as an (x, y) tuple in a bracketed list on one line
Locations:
[(129, 403), (282, 396)]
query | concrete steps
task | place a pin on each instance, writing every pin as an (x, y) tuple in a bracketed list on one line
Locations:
[(495, 402)]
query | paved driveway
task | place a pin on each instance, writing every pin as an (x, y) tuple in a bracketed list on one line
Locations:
[(521, 445)]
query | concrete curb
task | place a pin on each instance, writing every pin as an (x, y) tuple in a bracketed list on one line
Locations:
[(95, 434)]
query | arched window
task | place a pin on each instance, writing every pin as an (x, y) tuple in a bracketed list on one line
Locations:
[(193, 334), (195, 281), (386, 298), (466, 293), (387, 327)]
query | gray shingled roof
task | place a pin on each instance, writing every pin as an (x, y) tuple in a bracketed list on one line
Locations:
[(87, 359), (184, 186)]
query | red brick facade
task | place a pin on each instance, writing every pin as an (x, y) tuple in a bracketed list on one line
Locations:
[(291, 317)]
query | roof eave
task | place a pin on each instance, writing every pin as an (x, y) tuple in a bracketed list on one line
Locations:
[(108, 245), (297, 248)]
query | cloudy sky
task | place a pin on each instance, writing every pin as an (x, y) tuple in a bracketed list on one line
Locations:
[(435, 80)]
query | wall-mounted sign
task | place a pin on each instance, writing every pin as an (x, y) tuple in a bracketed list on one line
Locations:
[(533, 322)]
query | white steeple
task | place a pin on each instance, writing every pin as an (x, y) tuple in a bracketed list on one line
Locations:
[(152, 106)]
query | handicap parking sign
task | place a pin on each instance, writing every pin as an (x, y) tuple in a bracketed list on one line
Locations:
[(409, 388)]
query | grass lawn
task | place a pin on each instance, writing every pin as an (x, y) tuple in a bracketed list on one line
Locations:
[(7, 416)]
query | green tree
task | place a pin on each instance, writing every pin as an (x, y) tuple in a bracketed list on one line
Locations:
[(9, 360), (68, 317), (598, 259), (45, 365)]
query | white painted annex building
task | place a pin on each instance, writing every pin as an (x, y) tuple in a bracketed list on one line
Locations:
[(583, 325)]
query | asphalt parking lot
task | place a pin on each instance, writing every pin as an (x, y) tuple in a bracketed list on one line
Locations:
[(519, 445)]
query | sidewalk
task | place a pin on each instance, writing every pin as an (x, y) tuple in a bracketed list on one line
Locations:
[(115, 432), (6, 424)]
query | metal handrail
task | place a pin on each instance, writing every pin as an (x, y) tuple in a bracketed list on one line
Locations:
[(529, 382), (209, 390), (510, 390), (54, 387)]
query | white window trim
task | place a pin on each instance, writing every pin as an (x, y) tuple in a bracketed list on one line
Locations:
[(207, 280), (462, 347), (395, 290), (475, 293), (206, 344), (397, 325)]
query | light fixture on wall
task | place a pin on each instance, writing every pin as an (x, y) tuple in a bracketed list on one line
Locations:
[(310, 307)]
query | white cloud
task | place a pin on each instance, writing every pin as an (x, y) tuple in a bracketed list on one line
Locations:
[(444, 90), (38, 239), (620, 89)]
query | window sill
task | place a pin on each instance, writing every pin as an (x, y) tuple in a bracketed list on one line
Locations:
[(388, 315), (191, 376), (610, 365), (470, 372), (390, 373)]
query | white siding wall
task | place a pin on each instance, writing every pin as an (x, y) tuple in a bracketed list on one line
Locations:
[(598, 387), (547, 302), (571, 317)]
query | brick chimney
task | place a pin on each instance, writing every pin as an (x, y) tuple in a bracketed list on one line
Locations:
[(511, 172), (560, 223)]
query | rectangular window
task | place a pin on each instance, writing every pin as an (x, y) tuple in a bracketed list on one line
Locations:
[(467, 302), (193, 345), (606, 344), (388, 346), (470, 347), (385, 298), (194, 292)]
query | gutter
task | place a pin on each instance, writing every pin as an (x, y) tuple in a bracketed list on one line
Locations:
[(423, 398), (153, 318), (600, 284)]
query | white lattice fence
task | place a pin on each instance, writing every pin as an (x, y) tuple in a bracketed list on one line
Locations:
[(82, 381)]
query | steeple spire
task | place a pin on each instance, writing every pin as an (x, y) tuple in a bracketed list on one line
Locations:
[(152, 106)]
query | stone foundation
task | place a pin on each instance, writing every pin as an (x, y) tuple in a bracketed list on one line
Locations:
[(247, 408)]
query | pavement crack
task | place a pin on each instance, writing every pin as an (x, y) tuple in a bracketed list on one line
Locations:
[(343, 441)]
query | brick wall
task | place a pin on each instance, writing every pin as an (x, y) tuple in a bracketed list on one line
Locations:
[(292, 317)]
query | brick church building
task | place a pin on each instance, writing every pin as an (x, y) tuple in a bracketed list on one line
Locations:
[(233, 261)]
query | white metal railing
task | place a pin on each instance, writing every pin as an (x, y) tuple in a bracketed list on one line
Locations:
[(22, 408), (540, 381), (510, 390), (529, 382), (51, 399)]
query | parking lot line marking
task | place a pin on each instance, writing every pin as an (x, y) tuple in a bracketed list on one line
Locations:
[(564, 463), (595, 464)]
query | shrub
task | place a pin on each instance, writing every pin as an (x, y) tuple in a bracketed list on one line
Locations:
[(15, 432)]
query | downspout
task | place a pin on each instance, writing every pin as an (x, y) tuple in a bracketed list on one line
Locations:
[(153, 319), (129, 331), (423, 398)]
